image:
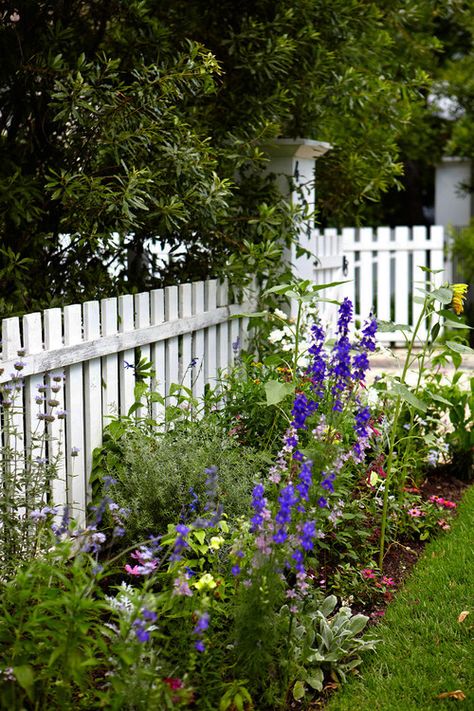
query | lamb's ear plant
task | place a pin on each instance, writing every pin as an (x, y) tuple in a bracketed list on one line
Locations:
[(416, 399), (328, 645)]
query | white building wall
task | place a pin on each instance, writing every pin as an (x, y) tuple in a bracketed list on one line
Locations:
[(453, 205)]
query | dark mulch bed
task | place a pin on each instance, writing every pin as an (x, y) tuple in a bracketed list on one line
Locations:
[(402, 556)]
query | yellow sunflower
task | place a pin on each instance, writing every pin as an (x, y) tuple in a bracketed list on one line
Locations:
[(459, 295)]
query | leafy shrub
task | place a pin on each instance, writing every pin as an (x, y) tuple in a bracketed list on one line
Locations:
[(160, 478)]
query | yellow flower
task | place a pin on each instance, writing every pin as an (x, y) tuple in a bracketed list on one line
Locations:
[(459, 295), (216, 542), (205, 581)]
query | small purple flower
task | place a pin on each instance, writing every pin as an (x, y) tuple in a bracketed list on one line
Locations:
[(149, 615), (200, 646), (327, 482), (202, 624), (108, 481), (141, 631), (180, 543)]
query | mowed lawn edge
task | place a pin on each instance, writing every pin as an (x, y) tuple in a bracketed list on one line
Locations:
[(425, 651)]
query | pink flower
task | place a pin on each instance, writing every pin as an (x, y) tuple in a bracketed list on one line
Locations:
[(446, 503), (416, 512), (132, 571), (390, 582), (367, 573), (443, 524), (377, 613)]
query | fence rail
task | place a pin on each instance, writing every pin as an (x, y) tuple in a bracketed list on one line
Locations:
[(83, 358)]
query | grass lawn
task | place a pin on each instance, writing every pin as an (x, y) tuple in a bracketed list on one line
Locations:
[(425, 651)]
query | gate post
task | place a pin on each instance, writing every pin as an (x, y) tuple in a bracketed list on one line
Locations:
[(293, 162)]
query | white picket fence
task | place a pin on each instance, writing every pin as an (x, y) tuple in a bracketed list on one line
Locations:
[(82, 357), (382, 269)]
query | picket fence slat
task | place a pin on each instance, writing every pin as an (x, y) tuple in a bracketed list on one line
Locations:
[(158, 351), (383, 288), (110, 381), (92, 385), (75, 455), (199, 382), (126, 357), (210, 304), (11, 344), (53, 339), (367, 248), (223, 328), (185, 310), (142, 320), (172, 344), (34, 427)]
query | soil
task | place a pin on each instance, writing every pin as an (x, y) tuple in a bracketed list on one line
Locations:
[(402, 556)]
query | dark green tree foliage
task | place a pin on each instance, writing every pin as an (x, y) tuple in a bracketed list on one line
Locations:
[(144, 120)]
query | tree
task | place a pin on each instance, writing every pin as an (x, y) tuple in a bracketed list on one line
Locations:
[(123, 121)]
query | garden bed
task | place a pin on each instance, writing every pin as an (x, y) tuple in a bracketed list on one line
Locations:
[(240, 552)]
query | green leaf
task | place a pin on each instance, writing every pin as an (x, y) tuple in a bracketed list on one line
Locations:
[(328, 605), (459, 348), (319, 287), (357, 623), (200, 535), (279, 289), (402, 391), (454, 321), (437, 398), (315, 681), (253, 314), (435, 331), (430, 271), (25, 678), (390, 326), (443, 295), (298, 690), (276, 391)]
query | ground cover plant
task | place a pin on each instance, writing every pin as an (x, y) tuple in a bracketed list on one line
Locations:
[(216, 574)]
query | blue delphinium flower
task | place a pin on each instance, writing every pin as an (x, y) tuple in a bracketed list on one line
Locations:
[(305, 480), (287, 500), (308, 533), (366, 345), (340, 365), (318, 366), (259, 505)]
